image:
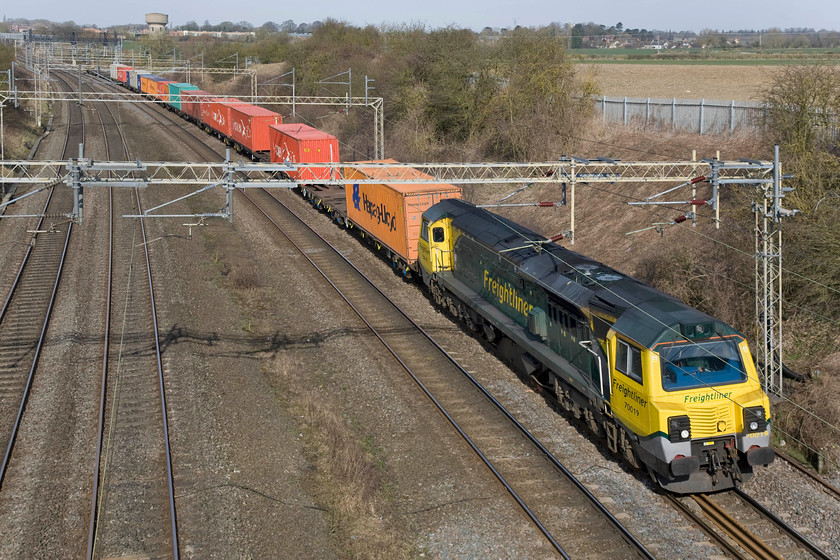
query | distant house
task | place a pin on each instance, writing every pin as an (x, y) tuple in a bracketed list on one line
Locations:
[(235, 35)]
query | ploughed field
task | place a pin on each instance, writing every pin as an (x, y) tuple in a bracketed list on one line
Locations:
[(683, 81)]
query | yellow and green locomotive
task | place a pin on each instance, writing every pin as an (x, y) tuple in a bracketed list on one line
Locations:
[(669, 387)]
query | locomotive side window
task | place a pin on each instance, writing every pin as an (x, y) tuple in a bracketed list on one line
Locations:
[(438, 235), (424, 230), (628, 360)]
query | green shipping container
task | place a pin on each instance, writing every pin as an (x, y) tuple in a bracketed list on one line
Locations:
[(175, 90)]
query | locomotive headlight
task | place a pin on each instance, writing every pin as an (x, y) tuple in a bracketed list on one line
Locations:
[(755, 419), (679, 428)]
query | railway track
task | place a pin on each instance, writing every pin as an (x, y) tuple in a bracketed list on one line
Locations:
[(571, 520), (133, 480), (26, 312), (743, 528), (809, 475), (133, 476), (736, 551)]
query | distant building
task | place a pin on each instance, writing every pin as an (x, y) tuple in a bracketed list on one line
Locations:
[(233, 35), (157, 23)]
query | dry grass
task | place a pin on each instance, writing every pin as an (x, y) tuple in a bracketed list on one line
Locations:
[(682, 81), (819, 427), (349, 479), (19, 132)]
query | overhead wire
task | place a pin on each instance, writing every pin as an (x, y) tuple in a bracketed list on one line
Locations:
[(750, 256), (651, 153)]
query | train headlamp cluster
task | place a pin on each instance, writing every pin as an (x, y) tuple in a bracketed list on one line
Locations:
[(755, 419), (697, 330), (679, 428)]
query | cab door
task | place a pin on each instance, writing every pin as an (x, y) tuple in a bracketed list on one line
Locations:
[(441, 246), (434, 248)]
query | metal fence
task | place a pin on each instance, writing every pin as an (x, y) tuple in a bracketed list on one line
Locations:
[(685, 115)]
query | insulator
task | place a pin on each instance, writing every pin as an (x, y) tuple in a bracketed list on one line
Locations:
[(557, 238), (698, 202), (546, 204), (697, 180), (681, 219)]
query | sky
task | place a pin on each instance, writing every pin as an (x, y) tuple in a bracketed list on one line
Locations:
[(663, 15)]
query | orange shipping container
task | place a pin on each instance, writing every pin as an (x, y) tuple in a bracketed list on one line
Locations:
[(391, 212), (300, 143), (192, 100), (249, 126), (148, 84), (163, 89)]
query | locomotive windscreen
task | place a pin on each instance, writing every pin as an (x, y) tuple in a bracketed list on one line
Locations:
[(694, 365)]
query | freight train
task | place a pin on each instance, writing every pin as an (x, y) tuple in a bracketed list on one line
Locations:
[(252, 130), (672, 389)]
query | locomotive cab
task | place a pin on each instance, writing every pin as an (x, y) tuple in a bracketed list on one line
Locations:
[(435, 245), (693, 390)]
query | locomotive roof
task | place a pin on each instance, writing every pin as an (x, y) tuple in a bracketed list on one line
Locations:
[(643, 313)]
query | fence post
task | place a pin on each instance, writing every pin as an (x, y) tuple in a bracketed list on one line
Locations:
[(673, 114), (647, 112), (732, 116), (604, 108), (702, 114), (625, 110)]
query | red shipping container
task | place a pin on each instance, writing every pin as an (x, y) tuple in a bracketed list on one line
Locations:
[(122, 73), (191, 102), (299, 143), (163, 89), (249, 126), (216, 113)]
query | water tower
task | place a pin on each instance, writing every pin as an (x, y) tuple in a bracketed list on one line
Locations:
[(157, 23)]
